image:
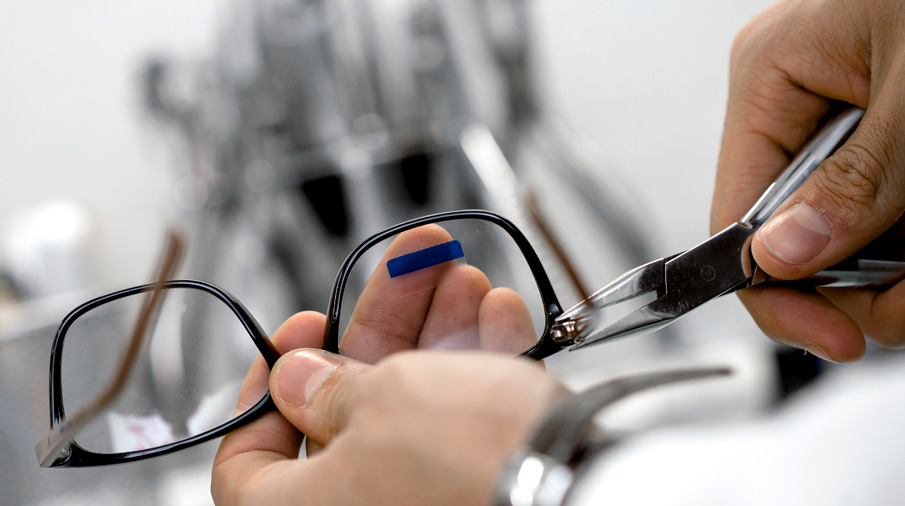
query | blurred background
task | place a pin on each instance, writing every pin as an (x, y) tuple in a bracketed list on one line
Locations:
[(280, 133)]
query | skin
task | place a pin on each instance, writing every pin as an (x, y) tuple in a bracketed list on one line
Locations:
[(445, 307), (418, 428), (787, 66), (399, 430)]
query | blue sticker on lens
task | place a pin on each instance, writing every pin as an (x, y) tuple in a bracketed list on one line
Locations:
[(422, 259)]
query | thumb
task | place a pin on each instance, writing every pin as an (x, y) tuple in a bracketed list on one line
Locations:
[(314, 390), (852, 198)]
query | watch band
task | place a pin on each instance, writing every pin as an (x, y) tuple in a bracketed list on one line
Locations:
[(543, 471), (534, 479)]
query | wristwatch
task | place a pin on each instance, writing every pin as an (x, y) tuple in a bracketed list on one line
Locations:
[(543, 472)]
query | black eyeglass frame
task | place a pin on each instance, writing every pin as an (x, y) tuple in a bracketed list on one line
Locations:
[(544, 347), (80, 457)]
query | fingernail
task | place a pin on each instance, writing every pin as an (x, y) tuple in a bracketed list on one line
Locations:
[(817, 351), (797, 235), (301, 375)]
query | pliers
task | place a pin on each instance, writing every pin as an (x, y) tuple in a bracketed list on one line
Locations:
[(720, 265)]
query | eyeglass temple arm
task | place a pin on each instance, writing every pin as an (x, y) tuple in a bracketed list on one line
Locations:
[(543, 227), (50, 448)]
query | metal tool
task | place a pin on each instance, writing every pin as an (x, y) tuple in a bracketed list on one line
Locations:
[(720, 265)]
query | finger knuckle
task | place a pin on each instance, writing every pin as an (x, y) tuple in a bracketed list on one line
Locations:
[(386, 321), (758, 33), (771, 30), (332, 401), (889, 334), (404, 369), (740, 43), (388, 373), (886, 322), (853, 178), (891, 340)]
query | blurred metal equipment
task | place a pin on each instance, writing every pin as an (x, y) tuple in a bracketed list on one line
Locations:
[(48, 258), (318, 123), (49, 261)]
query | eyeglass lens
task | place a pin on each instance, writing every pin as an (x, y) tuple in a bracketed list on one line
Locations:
[(186, 378), (460, 284)]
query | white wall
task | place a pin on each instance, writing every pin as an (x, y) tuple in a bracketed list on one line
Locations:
[(648, 82), (70, 122)]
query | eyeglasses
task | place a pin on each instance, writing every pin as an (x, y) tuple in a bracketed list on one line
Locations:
[(455, 280)]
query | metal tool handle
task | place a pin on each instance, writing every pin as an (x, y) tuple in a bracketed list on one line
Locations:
[(855, 273), (822, 145), (848, 273)]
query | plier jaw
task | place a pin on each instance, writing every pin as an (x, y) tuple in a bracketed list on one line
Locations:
[(576, 324), (722, 264), (681, 283)]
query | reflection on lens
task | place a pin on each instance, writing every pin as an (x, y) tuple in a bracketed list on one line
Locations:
[(461, 284), (186, 379)]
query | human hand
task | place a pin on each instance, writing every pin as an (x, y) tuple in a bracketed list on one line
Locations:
[(419, 428), (788, 65), (443, 307)]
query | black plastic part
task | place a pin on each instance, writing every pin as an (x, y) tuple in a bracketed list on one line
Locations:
[(78, 456)]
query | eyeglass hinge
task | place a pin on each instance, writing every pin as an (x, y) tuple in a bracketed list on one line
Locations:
[(569, 331)]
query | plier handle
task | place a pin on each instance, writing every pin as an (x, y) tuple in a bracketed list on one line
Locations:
[(722, 264)]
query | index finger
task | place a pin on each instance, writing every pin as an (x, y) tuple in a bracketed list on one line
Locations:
[(390, 312)]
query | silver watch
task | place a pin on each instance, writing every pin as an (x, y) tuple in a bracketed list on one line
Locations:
[(543, 471)]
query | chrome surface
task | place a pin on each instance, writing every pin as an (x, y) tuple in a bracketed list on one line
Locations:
[(822, 145), (719, 265)]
